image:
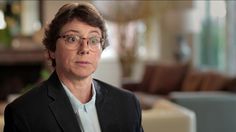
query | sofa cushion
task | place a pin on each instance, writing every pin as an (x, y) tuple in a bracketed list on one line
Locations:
[(230, 85), (147, 77), (167, 78), (193, 80), (213, 81)]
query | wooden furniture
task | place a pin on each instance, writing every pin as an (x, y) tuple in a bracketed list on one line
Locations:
[(19, 69), (10, 56)]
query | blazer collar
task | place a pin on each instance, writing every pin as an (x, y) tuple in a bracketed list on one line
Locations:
[(100, 92), (60, 106), (102, 104)]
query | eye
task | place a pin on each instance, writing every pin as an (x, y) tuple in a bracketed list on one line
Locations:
[(94, 40), (71, 39)]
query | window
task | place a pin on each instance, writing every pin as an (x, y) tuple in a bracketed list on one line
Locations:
[(210, 41)]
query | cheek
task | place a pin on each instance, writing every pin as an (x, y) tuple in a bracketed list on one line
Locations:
[(98, 57), (62, 56)]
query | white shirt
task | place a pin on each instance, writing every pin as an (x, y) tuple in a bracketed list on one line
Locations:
[(86, 113)]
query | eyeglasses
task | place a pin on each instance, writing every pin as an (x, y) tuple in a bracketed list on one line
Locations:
[(73, 41)]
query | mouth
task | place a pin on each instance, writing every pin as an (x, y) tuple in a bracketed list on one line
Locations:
[(82, 63)]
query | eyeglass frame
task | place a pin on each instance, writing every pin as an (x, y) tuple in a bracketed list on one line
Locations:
[(80, 41)]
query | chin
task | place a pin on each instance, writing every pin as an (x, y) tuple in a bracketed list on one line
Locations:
[(82, 74)]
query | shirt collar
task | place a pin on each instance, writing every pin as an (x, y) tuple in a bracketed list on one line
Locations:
[(76, 104)]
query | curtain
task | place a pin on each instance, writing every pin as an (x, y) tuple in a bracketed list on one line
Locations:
[(231, 38)]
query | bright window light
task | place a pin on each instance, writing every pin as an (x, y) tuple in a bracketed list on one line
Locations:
[(2, 21), (218, 9)]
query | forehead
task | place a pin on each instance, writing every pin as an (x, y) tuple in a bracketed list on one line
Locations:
[(79, 27)]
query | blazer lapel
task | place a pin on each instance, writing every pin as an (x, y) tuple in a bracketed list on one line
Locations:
[(104, 108), (61, 107), (100, 93)]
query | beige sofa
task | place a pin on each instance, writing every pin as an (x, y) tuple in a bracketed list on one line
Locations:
[(1, 123), (2, 107), (165, 116)]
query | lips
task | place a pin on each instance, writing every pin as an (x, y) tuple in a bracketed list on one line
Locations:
[(82, 63)]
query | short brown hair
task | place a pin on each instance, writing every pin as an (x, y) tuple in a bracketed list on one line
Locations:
[(84, 12)]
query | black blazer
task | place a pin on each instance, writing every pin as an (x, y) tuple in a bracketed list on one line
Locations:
[(46, 108)]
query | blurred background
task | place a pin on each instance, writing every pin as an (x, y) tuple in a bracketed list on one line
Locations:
[(198, 36), (200, 33)]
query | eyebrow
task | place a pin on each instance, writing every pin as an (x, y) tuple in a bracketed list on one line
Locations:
[(77, 31)]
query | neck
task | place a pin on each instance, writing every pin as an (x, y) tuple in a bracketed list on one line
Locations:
[(80, 88)]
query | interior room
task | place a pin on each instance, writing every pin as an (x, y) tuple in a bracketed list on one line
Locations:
[(176, 56)]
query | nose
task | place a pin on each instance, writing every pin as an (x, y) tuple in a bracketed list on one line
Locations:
[(84, 47)]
